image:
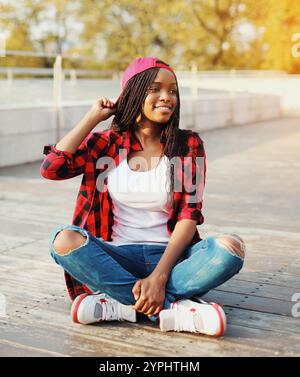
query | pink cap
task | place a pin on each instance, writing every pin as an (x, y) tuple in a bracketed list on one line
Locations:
[(142, 64)]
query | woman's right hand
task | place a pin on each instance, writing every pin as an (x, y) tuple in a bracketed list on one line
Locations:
[(102, 109)]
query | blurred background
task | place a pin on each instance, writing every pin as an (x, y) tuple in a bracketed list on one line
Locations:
[(237, 61)]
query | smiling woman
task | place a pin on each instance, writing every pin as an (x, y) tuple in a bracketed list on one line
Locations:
[(162, 96), (138, 244)]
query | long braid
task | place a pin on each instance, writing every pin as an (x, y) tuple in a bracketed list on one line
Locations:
[(130, 102)]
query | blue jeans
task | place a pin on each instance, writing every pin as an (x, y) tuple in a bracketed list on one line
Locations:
[(115, 269)]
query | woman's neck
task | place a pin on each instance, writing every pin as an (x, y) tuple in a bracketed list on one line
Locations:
[(148, 133)]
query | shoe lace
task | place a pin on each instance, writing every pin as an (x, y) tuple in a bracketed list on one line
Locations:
[(111, 310)]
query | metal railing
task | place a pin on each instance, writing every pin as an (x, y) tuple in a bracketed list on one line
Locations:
[(11, 72), (231, 81)]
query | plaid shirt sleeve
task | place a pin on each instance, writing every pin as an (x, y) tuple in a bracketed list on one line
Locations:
[(194, 175), (59, 165)]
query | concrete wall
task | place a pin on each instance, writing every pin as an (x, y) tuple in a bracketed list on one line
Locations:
[(253, 82), (24, 131), (223, 111)]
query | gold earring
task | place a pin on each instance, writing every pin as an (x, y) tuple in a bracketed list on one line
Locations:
[(139, 118)]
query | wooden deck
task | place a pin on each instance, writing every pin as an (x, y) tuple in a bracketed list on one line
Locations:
[(252, 189)]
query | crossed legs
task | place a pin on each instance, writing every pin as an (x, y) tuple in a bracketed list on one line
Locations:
[(68, 240)]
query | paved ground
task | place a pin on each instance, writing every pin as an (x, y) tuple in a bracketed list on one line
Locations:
[(252, 189)]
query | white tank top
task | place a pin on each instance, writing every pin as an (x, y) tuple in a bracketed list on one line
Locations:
[(140, 204)]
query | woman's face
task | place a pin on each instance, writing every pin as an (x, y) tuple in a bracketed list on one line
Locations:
[(161, 100)]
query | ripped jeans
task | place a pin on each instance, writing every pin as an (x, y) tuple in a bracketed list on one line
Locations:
[(115, 269)]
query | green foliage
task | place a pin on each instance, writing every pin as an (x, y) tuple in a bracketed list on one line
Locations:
[(213, 34)]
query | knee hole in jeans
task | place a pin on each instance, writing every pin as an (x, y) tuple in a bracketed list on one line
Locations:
[(68, 240), (233, 243)]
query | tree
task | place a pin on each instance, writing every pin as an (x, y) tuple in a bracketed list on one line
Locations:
[(214, 22), (213, 34), (128, 29), (47, 26), (279, 21)]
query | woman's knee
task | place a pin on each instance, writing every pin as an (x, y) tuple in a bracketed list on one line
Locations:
[(67, 240), (233, 243)]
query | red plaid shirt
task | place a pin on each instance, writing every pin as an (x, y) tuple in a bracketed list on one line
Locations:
[(93, 210)]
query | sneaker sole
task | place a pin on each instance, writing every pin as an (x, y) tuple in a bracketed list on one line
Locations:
[(222, 318), (220, 312), (75, 306)]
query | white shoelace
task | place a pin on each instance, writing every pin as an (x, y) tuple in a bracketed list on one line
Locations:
[(111, 310)]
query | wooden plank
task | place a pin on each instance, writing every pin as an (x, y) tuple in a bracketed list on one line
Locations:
[(260, 341), (248, 288), (263, 341), (263, 304), (120, 339), (16, 286), (260, 320), (281, 344), (293, 269), (64, 342), (117, 339), (284, 280), (14, 349)]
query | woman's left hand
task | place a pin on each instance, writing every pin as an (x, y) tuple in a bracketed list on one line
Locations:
[(149, 294)]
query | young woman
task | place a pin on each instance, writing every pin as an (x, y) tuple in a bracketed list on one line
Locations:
[(133, 245)]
